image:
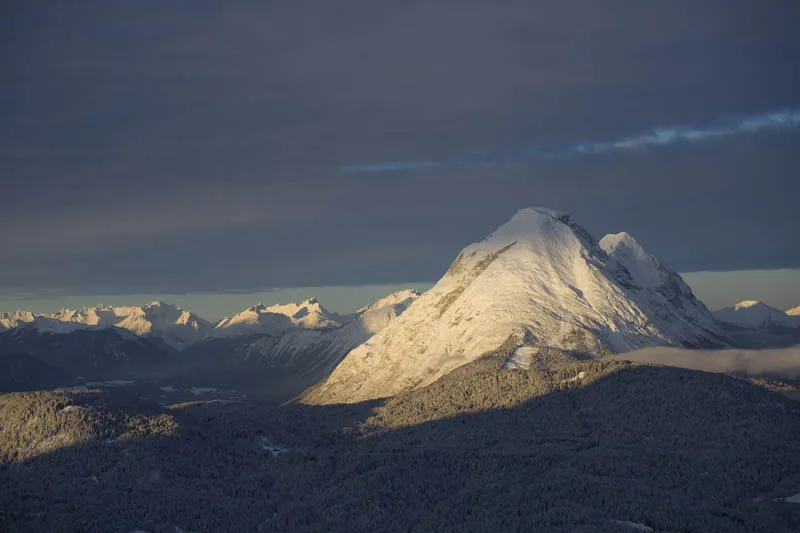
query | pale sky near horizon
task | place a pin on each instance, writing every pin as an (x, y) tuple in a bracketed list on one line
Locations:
[(778, 288)]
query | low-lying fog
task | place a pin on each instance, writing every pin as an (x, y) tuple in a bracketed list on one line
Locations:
[(780, 363)]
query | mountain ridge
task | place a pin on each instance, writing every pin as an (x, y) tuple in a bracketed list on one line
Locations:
[(754, 314)]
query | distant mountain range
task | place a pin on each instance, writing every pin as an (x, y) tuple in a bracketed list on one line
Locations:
[(176, 327), (539, 285), (296, 343)]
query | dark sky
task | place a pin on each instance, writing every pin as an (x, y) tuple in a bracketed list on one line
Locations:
[(188, 145)]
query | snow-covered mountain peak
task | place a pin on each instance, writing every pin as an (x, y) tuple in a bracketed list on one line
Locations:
[(748, 304), (400, 297), (541, 282), (308, 313), (277, 319), (645, 270), (527, 223), (623, 242), (161, 308), (794, 311), (753, 314), (162, 322)]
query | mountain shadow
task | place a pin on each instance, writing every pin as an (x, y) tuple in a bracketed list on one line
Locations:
[(589, 446)]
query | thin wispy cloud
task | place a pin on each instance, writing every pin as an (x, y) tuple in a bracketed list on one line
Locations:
[(660, 136)]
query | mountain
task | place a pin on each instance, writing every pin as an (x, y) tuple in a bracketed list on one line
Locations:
[(160, 322), (794, 311), (39, 322), (21, 372), (277, 319), (286, 359), (314, 349), (753, 314), (662, 294), (107, 353), (540, 284), (278, 350)]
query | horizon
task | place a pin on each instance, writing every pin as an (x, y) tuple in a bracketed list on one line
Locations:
[(716, 289)]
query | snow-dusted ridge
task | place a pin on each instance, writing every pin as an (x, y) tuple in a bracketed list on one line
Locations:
[(316, 351), (539, 281), (157, 321), (277, 319), (293, 326), (753, 314)]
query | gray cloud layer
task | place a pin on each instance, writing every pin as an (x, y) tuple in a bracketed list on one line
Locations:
[(659, 136), (782, 363), (197, 145)]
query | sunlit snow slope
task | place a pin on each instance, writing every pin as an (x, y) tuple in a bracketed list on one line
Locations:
[(539, 281), (755, 315)]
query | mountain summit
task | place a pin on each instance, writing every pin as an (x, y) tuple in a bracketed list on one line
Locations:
[(753, 314), (277, 319), (539, 285), (158, 321)]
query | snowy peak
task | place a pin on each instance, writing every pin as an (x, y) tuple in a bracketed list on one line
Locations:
[(377, 316), (161, 322), (644, 269), (255, 320), (623, 242), (39, 322), (399, 298), (538, 282), (753, 314), (277, 319), (308, 314), (794, 311), (16, 319)]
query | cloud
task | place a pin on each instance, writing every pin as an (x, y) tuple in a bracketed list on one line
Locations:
[(785, 119), (146, 148), (781, 363), (392, 167)]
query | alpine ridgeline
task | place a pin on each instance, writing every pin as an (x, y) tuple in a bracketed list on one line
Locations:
[(159, 322), (539, 287), (752, 314), (294, 357)]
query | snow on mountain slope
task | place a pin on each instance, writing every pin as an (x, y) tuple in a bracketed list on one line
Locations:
[(307, 314), (794, 311), (538, 281), (42, 323), (662, 294), (276, 320), (172, 325), (318, 350), (161, 322), (753, 314)]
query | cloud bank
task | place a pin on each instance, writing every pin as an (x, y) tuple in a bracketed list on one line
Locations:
[(784, 119), (782, 363)]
